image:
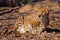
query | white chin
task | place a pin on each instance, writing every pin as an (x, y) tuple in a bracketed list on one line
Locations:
[(21, 29)]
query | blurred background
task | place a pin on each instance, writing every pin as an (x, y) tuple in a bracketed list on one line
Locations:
[(13, 3), (16, 2)]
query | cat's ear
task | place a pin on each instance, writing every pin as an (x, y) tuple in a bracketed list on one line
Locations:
[(25, 8)]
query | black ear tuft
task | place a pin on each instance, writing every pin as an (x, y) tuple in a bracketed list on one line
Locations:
[(37, 0), (39, 16)]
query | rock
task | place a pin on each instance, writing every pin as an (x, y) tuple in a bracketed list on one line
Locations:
[(54, 20)]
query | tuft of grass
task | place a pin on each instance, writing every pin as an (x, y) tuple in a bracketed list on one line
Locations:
[(25, 1)]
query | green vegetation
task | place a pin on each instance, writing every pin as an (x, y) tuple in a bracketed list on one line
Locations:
[(25, 1)]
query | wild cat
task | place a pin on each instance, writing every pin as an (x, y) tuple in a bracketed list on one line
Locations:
[(32, 21)]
